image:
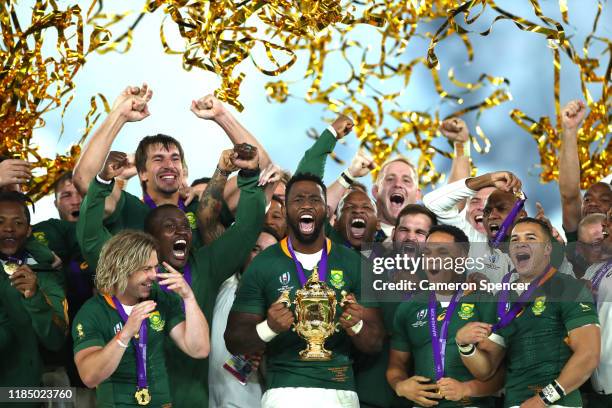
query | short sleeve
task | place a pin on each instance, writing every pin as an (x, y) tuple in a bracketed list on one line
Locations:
[(250, 296), (400, 339), (86, 330), (580, 312)]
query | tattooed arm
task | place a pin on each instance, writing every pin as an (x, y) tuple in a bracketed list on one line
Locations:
[(211, 201)]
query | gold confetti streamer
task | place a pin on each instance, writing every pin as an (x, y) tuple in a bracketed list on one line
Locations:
[(33, 84)]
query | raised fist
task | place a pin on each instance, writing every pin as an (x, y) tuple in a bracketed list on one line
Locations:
[(115, 164), (208, 107), (132, 103), (343, 126), (455, 130), (572, 114)]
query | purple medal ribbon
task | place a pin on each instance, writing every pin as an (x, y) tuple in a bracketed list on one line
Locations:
[(438, 339), (508, 222), (149, 202), (599, 275), (298, 266), (502, 304), (79, 279), (141, 346)]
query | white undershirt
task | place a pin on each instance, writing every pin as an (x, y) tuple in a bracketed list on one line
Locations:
[(309, 261), (128, 309)]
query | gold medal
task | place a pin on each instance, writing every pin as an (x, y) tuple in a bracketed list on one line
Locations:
[(142, 396), (10, 268)]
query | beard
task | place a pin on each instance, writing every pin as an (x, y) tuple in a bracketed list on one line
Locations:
[(306, 239)]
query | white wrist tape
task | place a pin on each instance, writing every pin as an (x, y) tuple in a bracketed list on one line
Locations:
[(357, 328), (343, 182), (462, 149), (265, 332)]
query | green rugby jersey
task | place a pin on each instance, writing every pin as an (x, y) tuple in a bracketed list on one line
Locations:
[(272, 272), (411, 334), (536, 340), (98, 322), (210, 266), (26, 324)]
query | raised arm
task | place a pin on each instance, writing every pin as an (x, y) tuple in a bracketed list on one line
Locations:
[(130, 106), (569, 165), (456, 131), (211, 202), (240, 238), (90, 229)]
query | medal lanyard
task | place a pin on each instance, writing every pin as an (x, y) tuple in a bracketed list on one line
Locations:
[(322, 270), (508, 222), (506, 318), (151, 204), (140, 344), (438, 338)]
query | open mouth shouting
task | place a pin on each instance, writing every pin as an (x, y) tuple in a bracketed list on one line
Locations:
[(179, 249), (494, 228), (522, 258), (306, 223), (357, 227), (168, 178), (396, 201)]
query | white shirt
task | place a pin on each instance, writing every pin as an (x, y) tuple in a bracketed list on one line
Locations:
[(224, 389), (602, 376), (309, 261), (443, 202)]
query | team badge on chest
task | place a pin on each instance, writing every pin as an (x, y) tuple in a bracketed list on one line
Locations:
[(156, 322), (466, 311), (539, 305), (337, 279)]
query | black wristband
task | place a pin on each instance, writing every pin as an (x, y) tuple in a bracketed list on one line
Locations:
[(346, 178)]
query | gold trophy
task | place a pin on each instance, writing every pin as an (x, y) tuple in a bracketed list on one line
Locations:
[(315, 312)]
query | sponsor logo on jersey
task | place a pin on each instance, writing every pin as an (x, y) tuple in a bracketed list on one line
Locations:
[(585, 308), (337, 278), (156, 322), (192, 220), (41, 237), (466, 311), (442, 315), (79, 330), (421, 315), (539, 305)]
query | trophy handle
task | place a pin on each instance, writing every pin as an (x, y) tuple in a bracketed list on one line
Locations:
[(284, 298)]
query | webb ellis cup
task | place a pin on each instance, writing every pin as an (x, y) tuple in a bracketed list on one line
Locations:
[(315, 312)]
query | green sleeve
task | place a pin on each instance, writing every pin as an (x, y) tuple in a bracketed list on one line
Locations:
[(48, 310), (87, 330), (579, 312), (171, 306), (6, 335), (39, 251), (229, 252), (91, 232), (315, 157), (399, 339), (250, 297)]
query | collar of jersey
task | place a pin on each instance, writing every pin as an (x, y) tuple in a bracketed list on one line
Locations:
[(285, 246)]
